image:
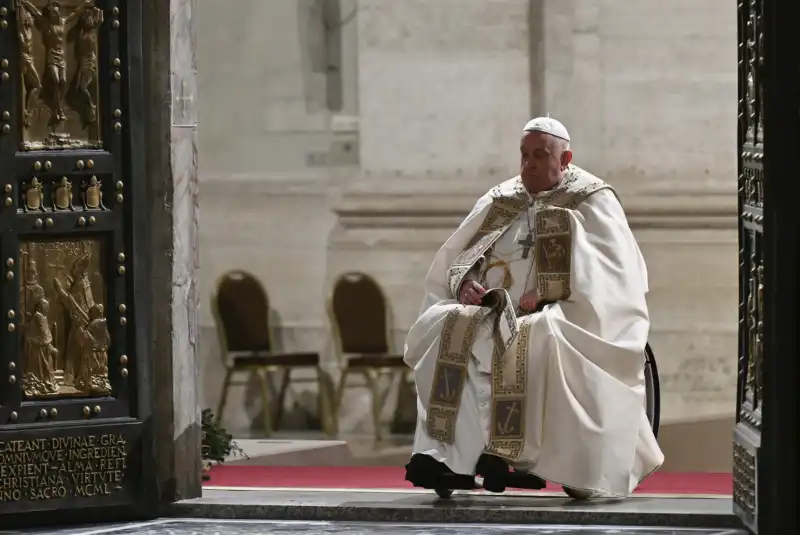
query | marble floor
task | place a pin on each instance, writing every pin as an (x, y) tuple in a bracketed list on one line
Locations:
[(257, 527)]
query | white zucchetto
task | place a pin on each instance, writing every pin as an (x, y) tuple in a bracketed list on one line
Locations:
[(547, 125)]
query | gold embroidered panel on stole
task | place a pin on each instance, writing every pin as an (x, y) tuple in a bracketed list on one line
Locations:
[(576, 186), (553, 254), (509, 393), (509, 372), (458, 335)]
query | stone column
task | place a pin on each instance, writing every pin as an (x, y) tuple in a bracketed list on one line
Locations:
[(169, 56)]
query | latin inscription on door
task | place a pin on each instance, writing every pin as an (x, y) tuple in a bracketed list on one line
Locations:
[(80, 466)]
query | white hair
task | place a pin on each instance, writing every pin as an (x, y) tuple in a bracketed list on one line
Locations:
[(561, 143)]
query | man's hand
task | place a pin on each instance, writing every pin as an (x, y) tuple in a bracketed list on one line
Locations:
[(471, 293), (528, 301)]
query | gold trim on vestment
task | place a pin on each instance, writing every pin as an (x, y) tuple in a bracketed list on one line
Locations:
[(510, 335), (460, 327), (503, 212), (553, 264), (509, 392), (458, 334), (576, 186)]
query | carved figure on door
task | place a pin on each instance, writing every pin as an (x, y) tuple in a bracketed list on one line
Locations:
[(33, 289), (97, 341), (77, 299), (53, 27), (30, 76), (86, 54), (39, 352)]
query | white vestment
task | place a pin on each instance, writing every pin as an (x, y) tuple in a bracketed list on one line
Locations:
[(558, 393)]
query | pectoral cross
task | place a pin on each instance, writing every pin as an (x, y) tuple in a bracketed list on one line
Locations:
[(527, 243)]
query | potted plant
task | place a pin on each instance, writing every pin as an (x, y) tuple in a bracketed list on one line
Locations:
[(217, 444)]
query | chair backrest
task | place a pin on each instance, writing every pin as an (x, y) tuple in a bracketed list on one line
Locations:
[(359, 314), (241, 311)]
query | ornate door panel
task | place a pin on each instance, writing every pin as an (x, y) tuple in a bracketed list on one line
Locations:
[(765, 435), (73, 391), (747, 433)]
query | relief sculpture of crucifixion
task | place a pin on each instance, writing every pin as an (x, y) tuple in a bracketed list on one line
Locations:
[(66, 78)]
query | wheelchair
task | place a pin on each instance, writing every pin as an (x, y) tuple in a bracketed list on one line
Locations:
[(497, 475)]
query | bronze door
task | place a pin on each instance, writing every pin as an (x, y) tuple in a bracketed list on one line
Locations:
[(74, 395), (747, 433), (765, 435)]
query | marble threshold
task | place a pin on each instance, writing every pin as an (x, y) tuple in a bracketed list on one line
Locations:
[(409, 505), (185, 526)]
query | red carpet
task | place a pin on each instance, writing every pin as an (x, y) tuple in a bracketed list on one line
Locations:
[(392, 477)]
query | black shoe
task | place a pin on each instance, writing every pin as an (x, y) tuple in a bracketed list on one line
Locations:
[(426, 472), (522, 480), (494, 471)]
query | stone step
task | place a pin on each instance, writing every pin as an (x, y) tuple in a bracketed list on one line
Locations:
[(193, 526), (412, 505)]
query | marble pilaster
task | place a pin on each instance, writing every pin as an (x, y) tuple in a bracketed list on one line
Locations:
[(172, 177)]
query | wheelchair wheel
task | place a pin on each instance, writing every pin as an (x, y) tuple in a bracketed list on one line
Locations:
[(444, 494), (652, 389)]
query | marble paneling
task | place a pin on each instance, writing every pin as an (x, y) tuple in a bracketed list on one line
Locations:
[(645, 89), (693, 303), (468, 52), (185, 277), (262, 108)]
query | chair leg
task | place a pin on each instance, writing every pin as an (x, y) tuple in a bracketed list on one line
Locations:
[(285, 380), (326, 403), (223, 398), (338, 397), (406, 387), (263, 378), (371, 377), (384, 394)]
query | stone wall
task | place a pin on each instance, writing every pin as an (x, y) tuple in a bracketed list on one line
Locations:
[(265, 186), (649, 92), (441, 89), (646, 88)]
